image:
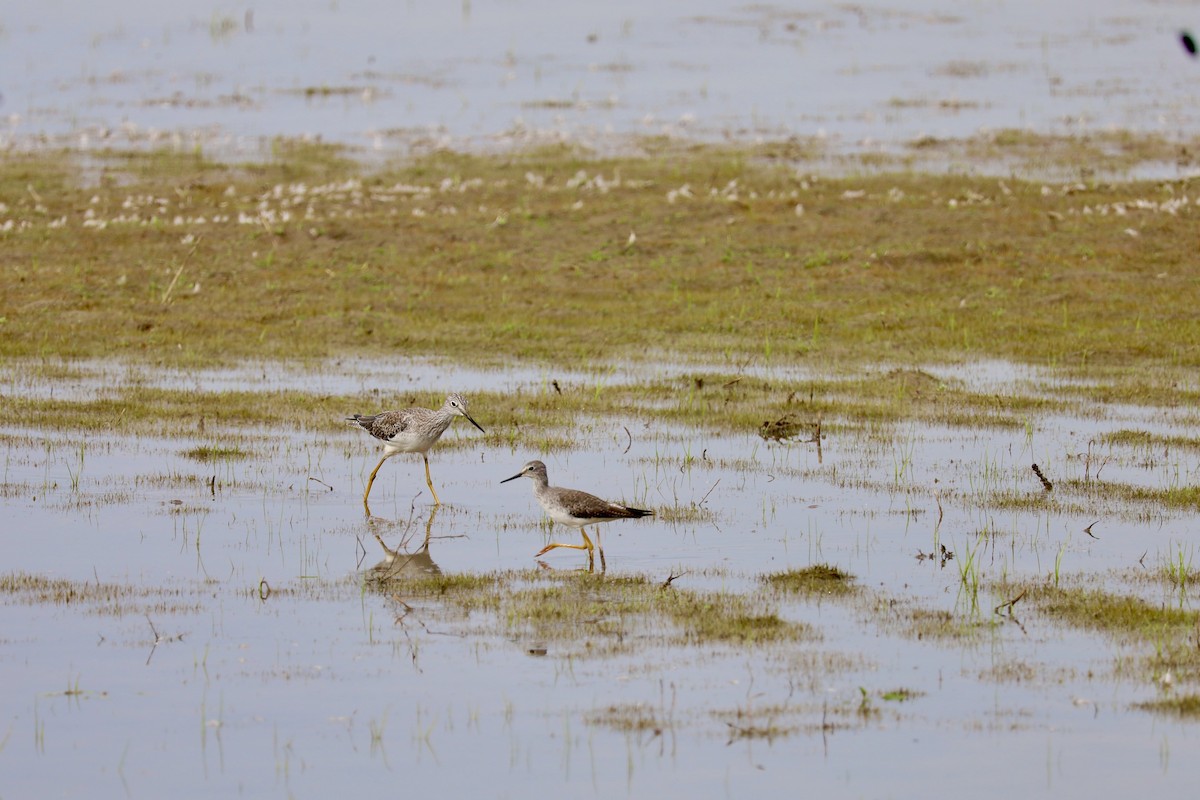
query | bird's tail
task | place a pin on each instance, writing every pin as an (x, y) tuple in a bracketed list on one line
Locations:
[(360, 420), (638, 512)]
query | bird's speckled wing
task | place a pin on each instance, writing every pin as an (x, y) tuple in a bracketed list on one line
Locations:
[(386, 426)]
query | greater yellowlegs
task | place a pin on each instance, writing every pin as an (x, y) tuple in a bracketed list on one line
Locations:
[(412, 430), (574, 508)]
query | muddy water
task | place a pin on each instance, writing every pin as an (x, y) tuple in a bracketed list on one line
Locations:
[(494, 74), (251, 657)]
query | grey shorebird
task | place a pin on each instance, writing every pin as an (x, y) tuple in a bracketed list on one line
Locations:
[(574, 508), (411, 430)]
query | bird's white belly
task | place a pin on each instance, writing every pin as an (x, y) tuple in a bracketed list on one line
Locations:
[(561, 516), (404, 443)]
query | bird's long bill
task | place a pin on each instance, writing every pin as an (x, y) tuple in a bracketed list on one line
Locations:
[(473, 422), (514, 477)]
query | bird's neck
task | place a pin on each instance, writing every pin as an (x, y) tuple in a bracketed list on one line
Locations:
[(443, 419)]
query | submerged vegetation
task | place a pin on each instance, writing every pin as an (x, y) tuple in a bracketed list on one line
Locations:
[(567, 609), (1186, 706), (115, 599)]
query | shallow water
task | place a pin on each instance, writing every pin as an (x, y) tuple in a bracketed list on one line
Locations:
[(328, 685), (258, 662), (496, 74)]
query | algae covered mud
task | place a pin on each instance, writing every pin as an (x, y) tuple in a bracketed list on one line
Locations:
[(921, 444)]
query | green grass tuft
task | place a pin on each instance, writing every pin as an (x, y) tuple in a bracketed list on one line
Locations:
[(210, 453), (819, 579)]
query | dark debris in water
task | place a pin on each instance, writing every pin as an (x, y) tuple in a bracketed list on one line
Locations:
[(1189, 44), (942, 557), (788, 428)]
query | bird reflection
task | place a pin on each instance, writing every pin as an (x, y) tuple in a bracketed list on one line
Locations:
[(400, 563)]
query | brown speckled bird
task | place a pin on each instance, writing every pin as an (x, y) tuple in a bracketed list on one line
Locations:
[(412, 430)]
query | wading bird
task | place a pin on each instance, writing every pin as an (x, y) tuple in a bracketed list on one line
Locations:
[(574, 508), (411, 430)]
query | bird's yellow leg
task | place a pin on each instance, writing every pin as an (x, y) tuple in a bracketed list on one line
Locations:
[(587, 545), (371, 480), (429, 480)]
